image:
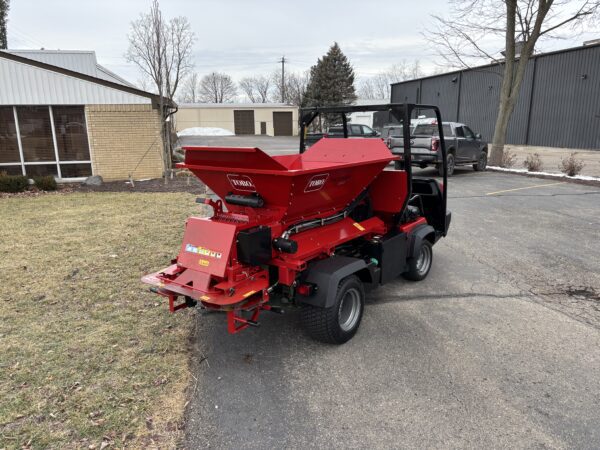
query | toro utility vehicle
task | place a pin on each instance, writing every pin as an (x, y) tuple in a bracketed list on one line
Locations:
[(313, 230)]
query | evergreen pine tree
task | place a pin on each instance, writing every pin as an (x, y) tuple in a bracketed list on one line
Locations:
[(331, 80), (4, 4)]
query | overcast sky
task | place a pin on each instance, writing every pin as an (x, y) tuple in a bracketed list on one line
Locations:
[(243, 37)]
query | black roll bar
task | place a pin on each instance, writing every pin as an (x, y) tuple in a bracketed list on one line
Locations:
[(403, 113)]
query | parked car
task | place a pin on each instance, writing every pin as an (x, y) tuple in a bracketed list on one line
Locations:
[(463, 146), (337, 131)]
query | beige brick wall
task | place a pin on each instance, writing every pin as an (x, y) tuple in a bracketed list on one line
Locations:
[(120, 135)]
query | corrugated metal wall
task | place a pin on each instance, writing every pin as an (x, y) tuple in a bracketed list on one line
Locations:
[(558, 106), (78, 61), (443, 92), (407, 92), (22, 84), (566, 106)]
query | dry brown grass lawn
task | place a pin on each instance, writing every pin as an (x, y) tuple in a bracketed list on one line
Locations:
[(88, 357)]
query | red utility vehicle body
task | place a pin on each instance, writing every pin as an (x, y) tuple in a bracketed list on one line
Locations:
[(295, 188)]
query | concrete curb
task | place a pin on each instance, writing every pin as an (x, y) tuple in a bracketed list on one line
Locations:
[(579, 179)]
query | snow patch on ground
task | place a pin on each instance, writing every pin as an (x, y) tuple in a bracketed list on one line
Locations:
[(205, 131), (545, 174)]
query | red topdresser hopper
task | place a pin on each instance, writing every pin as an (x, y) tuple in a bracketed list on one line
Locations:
[(326, 178)]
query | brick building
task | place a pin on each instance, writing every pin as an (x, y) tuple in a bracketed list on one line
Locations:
[(63, 114)]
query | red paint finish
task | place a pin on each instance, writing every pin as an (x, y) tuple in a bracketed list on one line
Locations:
[(313, 184), (206, 246), (388, 191), (295, 188)]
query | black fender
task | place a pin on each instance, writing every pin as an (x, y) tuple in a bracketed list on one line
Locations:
[(416, 237), (326, 275)]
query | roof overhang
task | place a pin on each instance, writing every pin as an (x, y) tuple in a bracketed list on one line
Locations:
[(71, 73)]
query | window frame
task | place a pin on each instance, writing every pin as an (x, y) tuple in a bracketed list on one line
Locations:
[(468, 133), (57, 161)]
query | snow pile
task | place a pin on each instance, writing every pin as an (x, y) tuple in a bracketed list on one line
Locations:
[(205, 131), (545, 174)]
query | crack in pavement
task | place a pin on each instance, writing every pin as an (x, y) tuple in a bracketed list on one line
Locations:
[(395, 298), (551, 301)]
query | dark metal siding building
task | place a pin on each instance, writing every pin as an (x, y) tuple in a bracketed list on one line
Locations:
[(558, 106)]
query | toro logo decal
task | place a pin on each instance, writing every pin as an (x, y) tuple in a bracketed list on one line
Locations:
[(316, 183), (241, 182)]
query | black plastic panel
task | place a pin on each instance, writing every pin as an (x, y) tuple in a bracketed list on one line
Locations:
[(254, 246)]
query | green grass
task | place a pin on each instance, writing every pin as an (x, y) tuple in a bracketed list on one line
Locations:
[(87, 353)]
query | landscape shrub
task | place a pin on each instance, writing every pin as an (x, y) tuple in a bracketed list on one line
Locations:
[(533, 163), (45, 183), (508, 159), (570, 165), (13, 183)]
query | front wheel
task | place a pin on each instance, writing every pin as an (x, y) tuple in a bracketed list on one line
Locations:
[(481, 162), (450, 163), (420, 264), (338, 323)]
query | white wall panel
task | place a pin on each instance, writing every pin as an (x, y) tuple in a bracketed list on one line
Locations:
[(22, 84)]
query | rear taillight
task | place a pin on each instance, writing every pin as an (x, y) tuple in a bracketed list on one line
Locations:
[(435, 144), (307, 289)]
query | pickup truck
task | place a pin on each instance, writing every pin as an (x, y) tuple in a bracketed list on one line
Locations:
[(463, 147), (337, 131)]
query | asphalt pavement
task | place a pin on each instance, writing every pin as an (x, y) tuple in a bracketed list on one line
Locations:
[(499, 346)]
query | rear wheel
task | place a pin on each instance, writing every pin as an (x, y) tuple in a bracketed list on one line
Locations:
[(420, 264), (481, 162), (338, 323), (450, 163)]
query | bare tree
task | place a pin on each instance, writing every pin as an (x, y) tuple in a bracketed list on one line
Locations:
[(294, 88), (379, 85), (217, 88), (146, 84), (257, 89), (366, 89), (467, 36), (162, 50), (190, 89)]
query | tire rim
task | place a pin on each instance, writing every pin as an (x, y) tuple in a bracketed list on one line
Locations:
[(450, 165), (483, 161), (424, 260), (349, 311)]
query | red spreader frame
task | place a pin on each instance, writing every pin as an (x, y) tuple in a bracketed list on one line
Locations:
[(277, 221)]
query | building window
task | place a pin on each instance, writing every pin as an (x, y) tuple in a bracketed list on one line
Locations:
[(9, 144), (36, 133), (71, 133), (44, 140), (75, 170)]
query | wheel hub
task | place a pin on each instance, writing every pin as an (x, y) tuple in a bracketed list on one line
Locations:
[(424, 260), (349, 311)]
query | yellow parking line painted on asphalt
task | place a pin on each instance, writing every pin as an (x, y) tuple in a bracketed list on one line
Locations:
[(527, 187)]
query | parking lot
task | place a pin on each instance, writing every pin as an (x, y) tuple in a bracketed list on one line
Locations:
[(498, 347)]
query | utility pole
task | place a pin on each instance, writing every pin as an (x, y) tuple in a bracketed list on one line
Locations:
[(282, 61)]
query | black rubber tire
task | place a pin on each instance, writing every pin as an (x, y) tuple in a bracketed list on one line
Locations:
[(450, 163), (323, 324), (415, 272), (481, 164)]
